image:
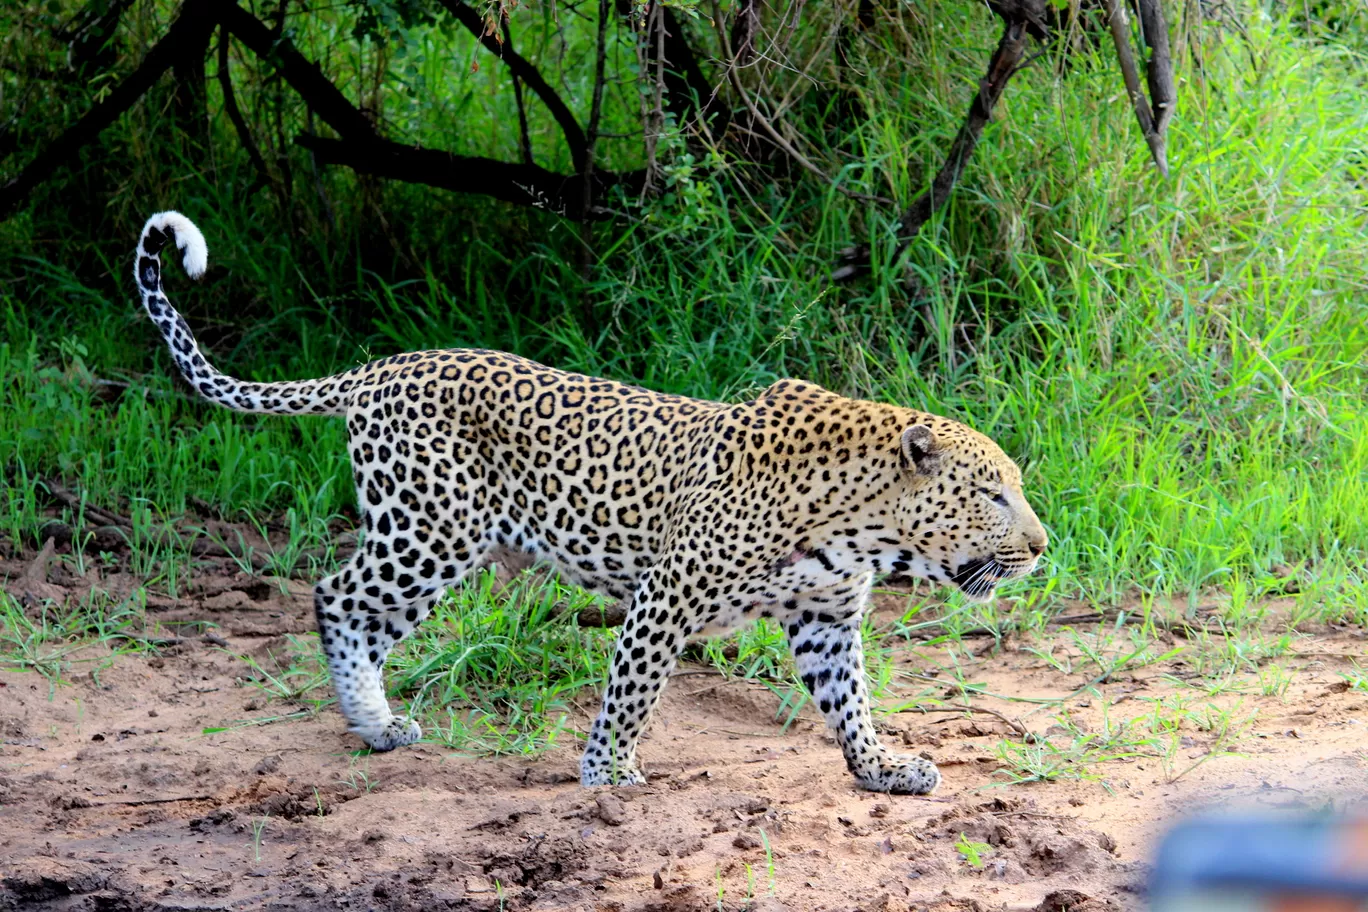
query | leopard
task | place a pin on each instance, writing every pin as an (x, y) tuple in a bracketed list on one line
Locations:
[(699, 516)]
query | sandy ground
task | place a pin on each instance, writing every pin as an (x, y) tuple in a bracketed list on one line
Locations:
[(114, 797)]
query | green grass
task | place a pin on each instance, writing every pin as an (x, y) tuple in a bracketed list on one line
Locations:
[(1178, 366), (53, 641), (493, 673)]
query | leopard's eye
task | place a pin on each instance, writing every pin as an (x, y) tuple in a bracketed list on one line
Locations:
[(995, 496)]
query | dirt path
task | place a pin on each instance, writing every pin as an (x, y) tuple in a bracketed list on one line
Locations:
[(112, 796)]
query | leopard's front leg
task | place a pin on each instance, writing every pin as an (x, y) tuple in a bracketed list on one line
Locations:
[(647, 648), (830, 659)]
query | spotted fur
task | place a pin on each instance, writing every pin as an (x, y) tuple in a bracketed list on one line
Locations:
[(705, 515)]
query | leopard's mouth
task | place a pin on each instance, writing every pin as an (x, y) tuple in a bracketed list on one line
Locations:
[(979, 577)]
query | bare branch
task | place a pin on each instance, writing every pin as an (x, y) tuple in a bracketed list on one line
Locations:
[(651, 37), (230, 107), (574, 135), (1159, 72), (1120, 30), (592, 134), (1006, 60), (743, 32), (190, 29), (771, 132), (523, 132), (526, 185), (302, 74), (365, 152), (687, 91)]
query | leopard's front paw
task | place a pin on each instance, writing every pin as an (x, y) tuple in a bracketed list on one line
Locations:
[(396, 732), (902, 774), (596, 772)]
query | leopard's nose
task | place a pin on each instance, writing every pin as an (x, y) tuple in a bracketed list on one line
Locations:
[(1036, 545)]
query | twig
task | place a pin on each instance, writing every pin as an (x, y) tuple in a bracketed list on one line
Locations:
[(652, 112), (230, 107), (743, 33), (1015, 725), (138, 802), (687, 90), (612, 614), (523, 132), (775, 136), (154, 642), (1090, 618), (68, 499), (592, 133)]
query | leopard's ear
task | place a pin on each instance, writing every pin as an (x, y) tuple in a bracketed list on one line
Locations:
[(920, 452)]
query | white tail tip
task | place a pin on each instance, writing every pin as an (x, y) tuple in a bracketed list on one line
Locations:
[(194, 251)]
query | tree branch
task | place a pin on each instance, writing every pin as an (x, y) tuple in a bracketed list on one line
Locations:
[(1019, 18), (302, 74), (1120, 30), (605, 9), (1159, 72), (365, 152), (770, 131), (743, 32), (687, 90), (359, 147), (191, 95), (523, 133), (520, 68), (230, 107), (526, 185), (190, 29)]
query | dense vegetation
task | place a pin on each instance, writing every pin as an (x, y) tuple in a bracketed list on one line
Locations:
[(1178, 364)]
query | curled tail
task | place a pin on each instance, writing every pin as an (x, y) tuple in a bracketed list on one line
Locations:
[(327, 396)]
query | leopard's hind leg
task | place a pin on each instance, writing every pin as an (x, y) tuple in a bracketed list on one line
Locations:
[(647, 648), (364, 611)]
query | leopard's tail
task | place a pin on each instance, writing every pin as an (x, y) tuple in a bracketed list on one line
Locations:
[(327, 396)]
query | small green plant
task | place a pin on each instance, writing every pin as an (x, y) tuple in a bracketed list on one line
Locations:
[(258, 828), (490, 671), (360, 780), (1274, 681), (1042, 760), (1226, 728), (53, 639), (757, 651), (769, 862), (972, 852), (300, 671)]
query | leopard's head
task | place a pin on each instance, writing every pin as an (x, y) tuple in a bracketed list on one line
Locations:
[(962, 515)]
